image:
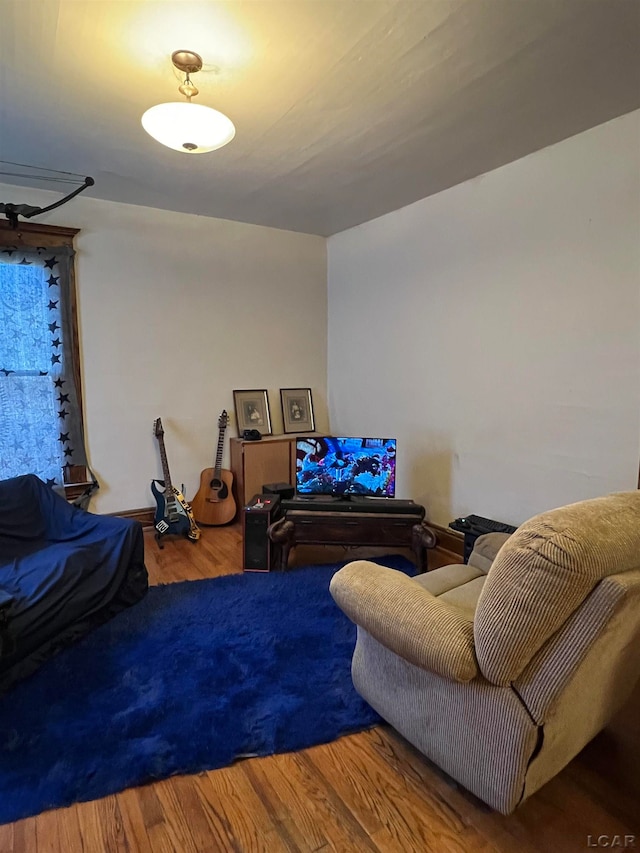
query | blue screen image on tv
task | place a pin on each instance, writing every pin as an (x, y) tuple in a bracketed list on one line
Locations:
[(346, 466)]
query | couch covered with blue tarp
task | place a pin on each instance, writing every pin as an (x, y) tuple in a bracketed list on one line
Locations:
[(63, 571)]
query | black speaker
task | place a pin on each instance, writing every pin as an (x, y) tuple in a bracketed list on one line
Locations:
[(285, 490), (257, 515)]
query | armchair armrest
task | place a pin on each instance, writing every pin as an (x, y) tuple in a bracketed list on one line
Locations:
[(407, 619)]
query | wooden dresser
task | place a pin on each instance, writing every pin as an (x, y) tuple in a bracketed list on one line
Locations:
[(255, 463)]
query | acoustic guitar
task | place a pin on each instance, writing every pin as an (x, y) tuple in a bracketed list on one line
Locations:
[(214, 503), (173, 514)]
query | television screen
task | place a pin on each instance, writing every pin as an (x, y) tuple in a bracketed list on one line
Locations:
[(346, 466)]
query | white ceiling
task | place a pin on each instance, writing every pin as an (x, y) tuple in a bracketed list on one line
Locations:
[(344, 109)]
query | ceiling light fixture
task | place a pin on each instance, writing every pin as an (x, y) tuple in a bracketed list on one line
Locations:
[(184, 126)]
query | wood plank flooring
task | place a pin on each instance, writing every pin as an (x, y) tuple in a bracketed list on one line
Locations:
[(366, 792)]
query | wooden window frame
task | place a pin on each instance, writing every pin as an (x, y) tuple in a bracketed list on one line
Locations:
[(29, 234)]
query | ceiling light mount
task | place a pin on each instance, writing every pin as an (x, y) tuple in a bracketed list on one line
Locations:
[(187, 61), (187, 127)]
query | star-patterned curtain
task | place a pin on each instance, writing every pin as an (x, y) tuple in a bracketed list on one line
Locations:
[(40, 423)]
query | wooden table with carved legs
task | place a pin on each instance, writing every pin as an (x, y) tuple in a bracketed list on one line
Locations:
[(309, 526)]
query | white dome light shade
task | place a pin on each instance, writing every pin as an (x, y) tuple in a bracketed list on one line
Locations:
[(187, 127)]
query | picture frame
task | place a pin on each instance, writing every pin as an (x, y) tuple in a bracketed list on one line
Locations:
[(252, 411), (297, 409)]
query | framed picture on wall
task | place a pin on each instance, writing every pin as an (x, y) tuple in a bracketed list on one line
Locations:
[(297, 409), (252, 411)]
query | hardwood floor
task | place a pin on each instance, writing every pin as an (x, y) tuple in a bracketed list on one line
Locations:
[(366, 792)]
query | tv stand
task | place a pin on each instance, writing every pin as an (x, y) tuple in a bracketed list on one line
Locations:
[(363, 521)]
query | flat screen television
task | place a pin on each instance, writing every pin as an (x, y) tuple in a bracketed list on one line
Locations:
[(343, 467)]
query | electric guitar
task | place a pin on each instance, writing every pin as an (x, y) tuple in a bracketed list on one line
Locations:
[(214, 503), (173, 513)]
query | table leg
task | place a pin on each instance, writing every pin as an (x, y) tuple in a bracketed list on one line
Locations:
[(422, 539), (281, 533)]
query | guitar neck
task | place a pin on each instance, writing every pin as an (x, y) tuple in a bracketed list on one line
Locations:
[(165, 465), (217, 468)]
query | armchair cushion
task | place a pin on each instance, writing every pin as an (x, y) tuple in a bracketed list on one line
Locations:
[(407, 619), (485, 550), (446, 578), (544, 571)]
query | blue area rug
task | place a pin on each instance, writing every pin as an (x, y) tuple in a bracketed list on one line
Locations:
[(197, 675)]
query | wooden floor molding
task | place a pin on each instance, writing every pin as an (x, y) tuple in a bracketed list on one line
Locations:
[(145, 515), (370, 791)]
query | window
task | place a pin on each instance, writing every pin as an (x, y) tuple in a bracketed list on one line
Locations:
[(41, 429)]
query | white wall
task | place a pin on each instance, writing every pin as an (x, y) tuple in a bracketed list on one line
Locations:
[(175, 311), (495, 330)]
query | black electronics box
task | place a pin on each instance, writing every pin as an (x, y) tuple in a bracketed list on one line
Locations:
[(285, 490), (473, 526), (257, 548)]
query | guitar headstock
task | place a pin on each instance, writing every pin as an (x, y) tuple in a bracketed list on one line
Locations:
[(158, 429), (223, 420)]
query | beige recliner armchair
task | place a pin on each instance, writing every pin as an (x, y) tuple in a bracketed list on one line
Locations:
[(501, 670)]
